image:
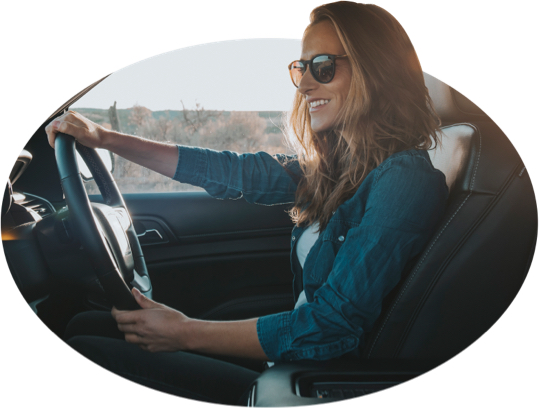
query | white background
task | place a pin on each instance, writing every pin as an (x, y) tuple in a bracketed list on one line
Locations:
[(51, 50)]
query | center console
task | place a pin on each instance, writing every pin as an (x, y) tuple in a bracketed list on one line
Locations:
[(313, 382)]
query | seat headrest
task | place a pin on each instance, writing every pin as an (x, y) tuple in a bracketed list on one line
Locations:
[(452, 153), (451, 105)]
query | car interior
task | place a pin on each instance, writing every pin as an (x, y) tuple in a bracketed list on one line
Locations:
[(230, 260)]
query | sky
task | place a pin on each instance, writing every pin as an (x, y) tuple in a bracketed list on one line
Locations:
[(484, 50), (241, 75)]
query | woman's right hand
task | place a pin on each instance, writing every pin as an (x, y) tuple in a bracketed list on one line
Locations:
[(157, 156), (85, 131)]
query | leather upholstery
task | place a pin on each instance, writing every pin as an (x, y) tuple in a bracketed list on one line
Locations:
[(478, 258)]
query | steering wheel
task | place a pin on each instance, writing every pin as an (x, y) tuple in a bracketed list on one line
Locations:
[(105, 230)]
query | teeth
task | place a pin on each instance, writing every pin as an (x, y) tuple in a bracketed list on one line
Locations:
[(319, 102)]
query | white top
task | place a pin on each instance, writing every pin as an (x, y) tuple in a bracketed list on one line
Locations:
[(304, 245)]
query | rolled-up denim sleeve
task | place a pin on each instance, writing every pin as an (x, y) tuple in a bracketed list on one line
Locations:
[(405, 204), (258, 177)]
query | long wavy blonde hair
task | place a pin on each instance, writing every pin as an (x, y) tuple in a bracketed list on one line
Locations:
[(387, 110)]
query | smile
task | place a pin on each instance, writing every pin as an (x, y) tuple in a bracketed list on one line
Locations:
[(318, 103)]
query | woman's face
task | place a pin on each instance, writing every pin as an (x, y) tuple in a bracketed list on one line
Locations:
[(322, 39)]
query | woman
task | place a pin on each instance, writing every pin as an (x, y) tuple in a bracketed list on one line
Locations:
[(366, 200)]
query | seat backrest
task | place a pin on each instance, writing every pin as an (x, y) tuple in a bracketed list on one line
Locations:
[(477, 260)]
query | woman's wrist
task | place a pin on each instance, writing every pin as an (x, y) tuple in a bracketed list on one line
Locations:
[(228, 338), (108, 138), (188, 335)]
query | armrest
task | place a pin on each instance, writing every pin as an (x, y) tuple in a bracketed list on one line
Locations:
[(314, 382)]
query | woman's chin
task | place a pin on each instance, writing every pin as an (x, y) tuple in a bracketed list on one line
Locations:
[(319, 127)]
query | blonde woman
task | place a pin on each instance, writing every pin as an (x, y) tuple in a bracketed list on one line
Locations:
[(365, 201)]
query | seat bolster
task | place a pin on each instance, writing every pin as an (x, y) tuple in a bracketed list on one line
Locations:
[(475, 262)]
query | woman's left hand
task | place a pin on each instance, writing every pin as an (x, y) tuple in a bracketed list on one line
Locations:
[(154, 328)]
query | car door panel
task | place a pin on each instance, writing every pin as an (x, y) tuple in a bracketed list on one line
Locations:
[(217, 259)]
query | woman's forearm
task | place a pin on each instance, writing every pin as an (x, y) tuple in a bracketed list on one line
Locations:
[(160, 157), (233, 338), (157, 327), (156, 156)]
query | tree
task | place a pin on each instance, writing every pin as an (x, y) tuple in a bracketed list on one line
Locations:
[(139, 116), (113, 116), (162, 126), (241, 131), (195, 119)]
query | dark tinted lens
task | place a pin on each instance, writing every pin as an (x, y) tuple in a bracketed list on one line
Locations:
[(297, 69), (323, 68)]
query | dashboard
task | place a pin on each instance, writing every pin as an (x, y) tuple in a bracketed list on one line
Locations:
[(41, 250)]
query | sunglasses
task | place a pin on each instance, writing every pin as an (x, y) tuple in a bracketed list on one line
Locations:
[(322, 68)]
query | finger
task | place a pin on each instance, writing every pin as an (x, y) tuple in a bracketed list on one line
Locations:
[(128, 328), (134, 338), (116, 312), (144, 347), (126, 317), (74, 118), (69, 117), (152, 348), (68, 128), (143, 301), (51, 130)]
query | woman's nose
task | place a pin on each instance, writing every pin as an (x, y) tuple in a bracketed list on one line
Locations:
[(307, 82)]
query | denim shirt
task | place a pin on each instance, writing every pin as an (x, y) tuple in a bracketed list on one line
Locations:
[(357, 259)]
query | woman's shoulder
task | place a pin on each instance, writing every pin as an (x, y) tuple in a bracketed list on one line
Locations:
[(418, 159), (421, 156), (411, 163)]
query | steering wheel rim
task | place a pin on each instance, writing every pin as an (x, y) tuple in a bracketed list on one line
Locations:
[(105, 231)]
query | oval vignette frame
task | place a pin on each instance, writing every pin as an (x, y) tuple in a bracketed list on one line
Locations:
[(493, 115)]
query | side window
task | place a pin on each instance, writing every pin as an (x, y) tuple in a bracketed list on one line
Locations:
[(238, 103)]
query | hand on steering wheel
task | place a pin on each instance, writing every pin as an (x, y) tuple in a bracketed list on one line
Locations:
[(85, 131)]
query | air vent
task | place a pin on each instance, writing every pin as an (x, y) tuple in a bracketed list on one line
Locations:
[(34, 203)]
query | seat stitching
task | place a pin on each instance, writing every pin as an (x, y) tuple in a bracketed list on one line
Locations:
[(433, 243)]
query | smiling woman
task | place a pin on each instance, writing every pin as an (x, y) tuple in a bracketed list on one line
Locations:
[(328, 99), (325, 96), (348, 183)]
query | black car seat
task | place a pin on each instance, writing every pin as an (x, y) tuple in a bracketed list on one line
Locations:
[(477, 260)]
